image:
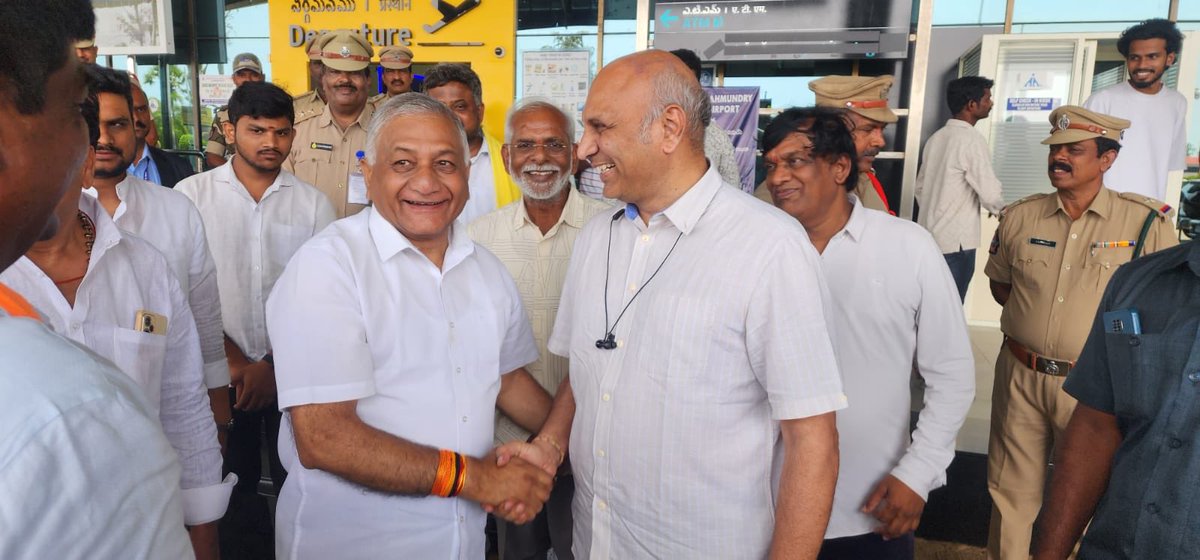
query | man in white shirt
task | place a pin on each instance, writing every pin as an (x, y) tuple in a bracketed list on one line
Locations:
[(257, 215), (533, 237), (395, 339), (114, 293), (80, 444), (956, 178), (458, 87), (699, 405), (885, 476), (166, 219), (1156, 142)]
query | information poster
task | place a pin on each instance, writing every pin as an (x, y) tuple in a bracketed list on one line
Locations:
[(215, 89), (735, 109), (562, 76)]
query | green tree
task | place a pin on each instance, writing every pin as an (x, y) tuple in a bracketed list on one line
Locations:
[(179, 100)]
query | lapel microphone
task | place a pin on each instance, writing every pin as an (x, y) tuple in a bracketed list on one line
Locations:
[(609, 342)]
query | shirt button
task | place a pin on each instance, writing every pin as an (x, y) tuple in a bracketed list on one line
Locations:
[(1135, 341), (1060, 299), (606, 397), (74, 326), (633, 287), (1074, 236), (1106, 265), (457, 370), (1194, 377), (600, 504), (1068, 267), (462, 519), (1176, 443), (599, 452), (1152, 507), (452, 324), (256, 267), (464, 419), (620, 343), (645, 238)]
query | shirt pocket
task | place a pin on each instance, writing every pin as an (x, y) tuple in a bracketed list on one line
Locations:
[(1101, 263), (1132, 365), (141, 356), (284, 240), (309, 162), (1031, 268)]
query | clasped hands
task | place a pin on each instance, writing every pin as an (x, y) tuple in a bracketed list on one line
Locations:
[(516, 479)]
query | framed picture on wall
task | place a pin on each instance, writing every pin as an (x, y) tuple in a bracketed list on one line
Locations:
[(134, 27)]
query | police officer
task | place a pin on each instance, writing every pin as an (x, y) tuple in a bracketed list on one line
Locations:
[(1049, 263), (396, 61), (324, 151), (246, 68), (311, 102)]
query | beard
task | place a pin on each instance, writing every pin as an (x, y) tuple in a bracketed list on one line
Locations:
[(1142, 84), (527, 190)]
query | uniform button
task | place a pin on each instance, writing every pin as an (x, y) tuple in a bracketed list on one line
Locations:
[(1176, 443), (339, 185), (1074, 236), (606, 397), (1060, 299), (599, 452), (1106, 265), (1194, 377), (1068, 267), (1135, 341), (1152, 507)]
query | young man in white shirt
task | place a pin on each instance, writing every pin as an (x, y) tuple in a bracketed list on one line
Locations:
[(166, 219), (83, 458), (396, 338), (956, 178), (894, 306), (115, 294), (257, 214), (1156, 141)]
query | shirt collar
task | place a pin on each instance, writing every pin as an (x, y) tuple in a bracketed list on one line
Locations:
[(1101, 205), (959, 123), (483, 150), (364, 117), (572, 213), (857, 224), (226, 174), (145, 157), (107, 232), (685, 212), (389, 242)]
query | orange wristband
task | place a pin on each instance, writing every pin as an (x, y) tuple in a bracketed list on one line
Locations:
[(443, 481)]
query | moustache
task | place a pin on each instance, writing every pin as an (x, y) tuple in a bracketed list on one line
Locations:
[(270, 151), (107, 148), (870, 152), (532, 167), (1058, 166), (348, 86)]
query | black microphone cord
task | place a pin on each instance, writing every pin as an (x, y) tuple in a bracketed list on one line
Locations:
[(609, 342)]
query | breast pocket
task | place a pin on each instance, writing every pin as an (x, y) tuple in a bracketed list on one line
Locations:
[(1031, 267), (285, 239), (309, 161), (141, 356), (1100, 265)]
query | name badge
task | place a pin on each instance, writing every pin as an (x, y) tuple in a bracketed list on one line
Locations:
[(1043, 242), (357, 194), (321, 146)]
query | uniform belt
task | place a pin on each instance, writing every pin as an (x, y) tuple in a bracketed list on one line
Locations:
[(1036, 362)]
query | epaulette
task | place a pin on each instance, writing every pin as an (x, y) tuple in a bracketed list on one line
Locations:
[(307, 115), (1164, 210), (1017, 203), (377, 99)]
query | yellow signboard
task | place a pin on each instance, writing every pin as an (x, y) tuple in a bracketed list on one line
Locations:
[(481, 33)]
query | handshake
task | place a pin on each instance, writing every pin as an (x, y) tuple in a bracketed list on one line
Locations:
[(514, 480)]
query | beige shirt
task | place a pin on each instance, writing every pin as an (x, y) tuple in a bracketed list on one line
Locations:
[(865, 191), (1057, 277), (538, 263), (954, 181), (324, 155), (216, 134), (307, 105)]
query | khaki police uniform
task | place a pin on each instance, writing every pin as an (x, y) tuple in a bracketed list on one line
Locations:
[(309, 103), (1058, 269), (867, 96), (395, 57), (322, 153), (216, 134)]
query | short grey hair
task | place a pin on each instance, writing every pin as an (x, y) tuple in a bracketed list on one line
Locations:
[(676, 88), (536, 102), (408, 105)]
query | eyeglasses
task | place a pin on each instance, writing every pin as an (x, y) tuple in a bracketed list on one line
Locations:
[(552, 147)]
